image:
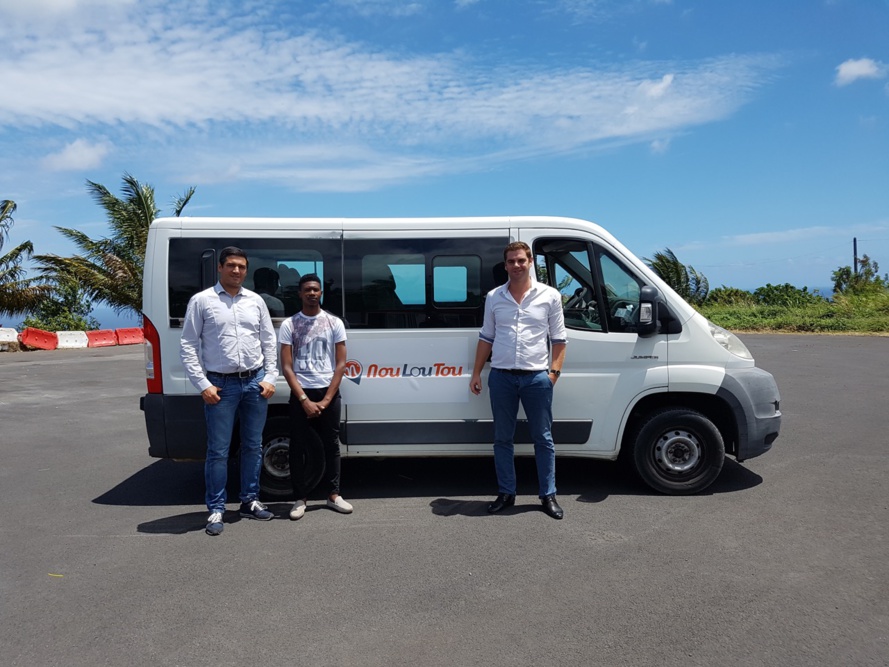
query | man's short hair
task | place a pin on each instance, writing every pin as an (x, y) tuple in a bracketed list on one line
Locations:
[(518, 245), (231, 251), (310, 278)]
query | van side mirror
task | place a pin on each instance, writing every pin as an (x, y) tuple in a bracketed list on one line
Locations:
[(648, 311)]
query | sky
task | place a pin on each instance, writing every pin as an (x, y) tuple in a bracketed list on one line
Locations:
[(751, 138)]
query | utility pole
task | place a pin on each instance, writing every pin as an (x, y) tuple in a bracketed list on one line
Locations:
[(855, 253)]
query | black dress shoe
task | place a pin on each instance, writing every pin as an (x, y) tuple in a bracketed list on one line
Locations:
[(551, 507), (502, 500)]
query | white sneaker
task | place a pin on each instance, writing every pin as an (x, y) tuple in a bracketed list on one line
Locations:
[(214, 524), (299, 508), (339, 505)]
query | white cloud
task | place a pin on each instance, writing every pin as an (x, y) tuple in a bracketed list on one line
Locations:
[(782, 236), (798, 235), (366, 8), (863, 68), (78, 155), (50, 11), (660, 146), (182, 76)]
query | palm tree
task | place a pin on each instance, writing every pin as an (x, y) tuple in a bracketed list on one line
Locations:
[(688, 283), (110, 269), (17, 294)]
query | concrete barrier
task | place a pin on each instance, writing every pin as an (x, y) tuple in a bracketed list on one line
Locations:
[(70, 340), (130, 336), (101, 338), (40, 339)]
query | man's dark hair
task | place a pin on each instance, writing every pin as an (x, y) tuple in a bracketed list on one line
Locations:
[(310, 278), (231, 251)]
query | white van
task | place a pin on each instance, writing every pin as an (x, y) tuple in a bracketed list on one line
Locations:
[(644, 374)]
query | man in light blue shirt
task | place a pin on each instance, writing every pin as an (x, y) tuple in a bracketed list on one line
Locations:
[(522, 318), (229, 352)]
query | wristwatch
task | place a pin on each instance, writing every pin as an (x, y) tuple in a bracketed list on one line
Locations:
[(555, 372), (303, 397)]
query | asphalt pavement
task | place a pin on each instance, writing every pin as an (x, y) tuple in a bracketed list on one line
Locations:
[(783, 561)]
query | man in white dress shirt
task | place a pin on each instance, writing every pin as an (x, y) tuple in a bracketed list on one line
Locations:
[(522, 319), (230, 355)]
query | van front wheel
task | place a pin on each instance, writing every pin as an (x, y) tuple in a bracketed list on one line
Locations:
[(678, 451), (274, 477)]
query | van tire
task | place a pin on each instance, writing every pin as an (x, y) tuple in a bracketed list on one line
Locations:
[(678, 451), (274, 476)]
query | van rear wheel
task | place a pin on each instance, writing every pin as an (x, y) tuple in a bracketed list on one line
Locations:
[(678, 451), (274, 477)]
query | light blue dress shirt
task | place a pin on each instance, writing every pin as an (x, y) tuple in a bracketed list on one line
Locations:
[(227, 334)]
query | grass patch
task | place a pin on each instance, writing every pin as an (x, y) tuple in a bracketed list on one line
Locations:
[(866, 313)]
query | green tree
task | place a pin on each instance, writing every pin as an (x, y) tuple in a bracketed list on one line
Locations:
[(17, 293), (786, 295), (66, 308), (109, 269), (688, 283), (866, 281)]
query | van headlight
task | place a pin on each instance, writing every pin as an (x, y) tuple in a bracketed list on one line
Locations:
[(729, 341)]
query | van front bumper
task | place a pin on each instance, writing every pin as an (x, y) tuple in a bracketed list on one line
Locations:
[(753, 397)]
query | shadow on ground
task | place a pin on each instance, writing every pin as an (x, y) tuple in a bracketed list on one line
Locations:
[(447, 481), (167, 483)]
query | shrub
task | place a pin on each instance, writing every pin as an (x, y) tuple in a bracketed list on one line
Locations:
[(730, 296), (786, 295)]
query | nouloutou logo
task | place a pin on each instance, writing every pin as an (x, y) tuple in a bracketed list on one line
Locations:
[(355, 371)]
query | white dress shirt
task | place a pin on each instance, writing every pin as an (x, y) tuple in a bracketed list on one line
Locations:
[(227, 334), (518, 332)]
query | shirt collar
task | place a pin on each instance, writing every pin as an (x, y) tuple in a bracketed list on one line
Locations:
[(219, 289), (535, 288)]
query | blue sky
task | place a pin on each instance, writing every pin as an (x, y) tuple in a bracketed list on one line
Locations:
[(752, 138)]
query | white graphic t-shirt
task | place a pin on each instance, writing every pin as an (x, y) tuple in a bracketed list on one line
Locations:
[(314, 342)]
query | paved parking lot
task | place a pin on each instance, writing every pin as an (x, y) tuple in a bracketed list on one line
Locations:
[(103, 559)]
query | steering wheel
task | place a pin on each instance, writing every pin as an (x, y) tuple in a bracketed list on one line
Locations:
[(578, 300)]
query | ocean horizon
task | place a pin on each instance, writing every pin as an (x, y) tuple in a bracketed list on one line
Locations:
[(107, 318)]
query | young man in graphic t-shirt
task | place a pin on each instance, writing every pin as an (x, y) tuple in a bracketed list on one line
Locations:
[(313, 358)]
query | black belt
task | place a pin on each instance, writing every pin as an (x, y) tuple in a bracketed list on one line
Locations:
[(237, 374), (517, 371)]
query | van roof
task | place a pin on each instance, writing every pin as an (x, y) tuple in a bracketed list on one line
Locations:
[(478, 222)]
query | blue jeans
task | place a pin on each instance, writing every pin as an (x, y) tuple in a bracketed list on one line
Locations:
[(239, 397), (535, 391)]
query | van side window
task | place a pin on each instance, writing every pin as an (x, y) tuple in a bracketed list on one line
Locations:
[(416, 283), (621, 291), (565, 265), (598, 292), (275, 267)]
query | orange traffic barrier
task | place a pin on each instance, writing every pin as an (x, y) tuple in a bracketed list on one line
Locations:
[(130, 336), (101, 338), (42, 340)]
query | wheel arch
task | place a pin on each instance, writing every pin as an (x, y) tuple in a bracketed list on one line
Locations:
[(709, 405)]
